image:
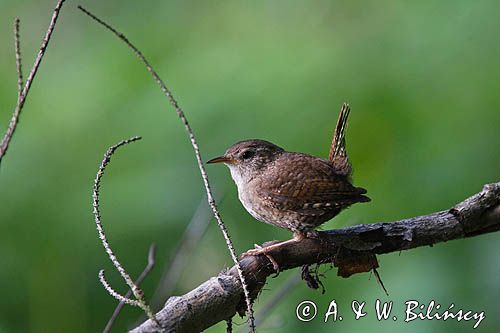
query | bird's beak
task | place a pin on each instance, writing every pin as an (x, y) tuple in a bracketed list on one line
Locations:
[(221, 159)]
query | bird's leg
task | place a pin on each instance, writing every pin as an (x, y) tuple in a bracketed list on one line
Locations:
[(276, 267), (297, 237), (258, 250)]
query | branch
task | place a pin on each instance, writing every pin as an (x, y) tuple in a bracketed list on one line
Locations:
[(23, 93), (199, 160), (138, 293), (145, 272), (115, 294), (352, 250)]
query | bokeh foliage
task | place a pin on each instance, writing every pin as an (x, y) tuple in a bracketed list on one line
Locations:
[(422, 81)]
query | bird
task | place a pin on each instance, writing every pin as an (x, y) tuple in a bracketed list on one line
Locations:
[(291, 190)]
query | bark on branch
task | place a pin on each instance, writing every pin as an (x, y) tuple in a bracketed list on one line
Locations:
[(352, 250)]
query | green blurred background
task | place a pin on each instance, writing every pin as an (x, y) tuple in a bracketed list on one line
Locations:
[(422, 81)]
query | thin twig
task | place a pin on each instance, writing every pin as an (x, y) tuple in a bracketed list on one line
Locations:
[(115, 294), (199, 160), (19, 66), (192, 236), (4, 145), (379, 281), (278, 296), (138, 282), (138, 293)]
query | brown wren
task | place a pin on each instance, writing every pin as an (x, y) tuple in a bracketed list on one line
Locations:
[(294, 191)]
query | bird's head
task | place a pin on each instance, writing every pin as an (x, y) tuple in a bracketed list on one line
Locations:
[(247, 158)]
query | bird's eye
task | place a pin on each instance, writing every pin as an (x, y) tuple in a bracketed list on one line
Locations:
[(247, 154)]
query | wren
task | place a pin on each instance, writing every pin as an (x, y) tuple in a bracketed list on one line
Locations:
[(290, 190)]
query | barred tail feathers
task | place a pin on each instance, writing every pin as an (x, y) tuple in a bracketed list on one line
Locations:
[(338, 152)]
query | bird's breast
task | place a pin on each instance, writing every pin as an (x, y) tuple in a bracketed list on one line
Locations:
[(248, 199)]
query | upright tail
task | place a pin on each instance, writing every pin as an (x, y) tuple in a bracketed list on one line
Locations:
[(338, 152)]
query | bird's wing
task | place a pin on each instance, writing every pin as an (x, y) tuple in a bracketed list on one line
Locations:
[(310, 186)]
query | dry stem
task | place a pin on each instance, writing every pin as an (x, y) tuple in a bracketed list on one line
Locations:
[(145, 272), (138, 293), (196, 149), (23, 93)]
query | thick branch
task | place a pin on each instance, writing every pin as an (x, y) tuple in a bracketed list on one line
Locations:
[(352, 250)]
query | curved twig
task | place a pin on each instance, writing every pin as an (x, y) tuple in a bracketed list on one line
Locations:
[(194, 144), (145, 272), (138, 293), (115, 294)]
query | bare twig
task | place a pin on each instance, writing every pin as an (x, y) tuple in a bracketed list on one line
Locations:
[(278, 296), (379, 281), (145, 272), (137, 292), (353, 250), (199, 160), (4, 144), (192, 235), (19, 66), (112, 292)]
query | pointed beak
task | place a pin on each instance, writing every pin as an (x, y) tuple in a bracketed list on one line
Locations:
[(221, 159)]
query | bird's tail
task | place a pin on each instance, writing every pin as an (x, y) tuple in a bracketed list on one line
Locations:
[(338, 152)]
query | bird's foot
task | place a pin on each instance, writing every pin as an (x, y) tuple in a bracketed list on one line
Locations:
[(258, 250), (264, 250), (254, 252)]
